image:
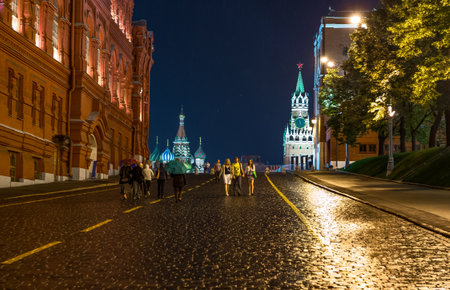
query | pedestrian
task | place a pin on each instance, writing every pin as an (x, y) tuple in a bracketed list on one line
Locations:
[(179, 181), (237, 172), (250, 172), (217, 170), (124, 179), (137, 177), (207, 167), (161, 177), (148, 176), (226, 173)]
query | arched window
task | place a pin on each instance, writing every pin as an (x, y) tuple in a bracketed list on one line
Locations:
[(297, 138), (55, 38), (309, 138), (291, 138), (15, 15), (37, 14), (304, 138)]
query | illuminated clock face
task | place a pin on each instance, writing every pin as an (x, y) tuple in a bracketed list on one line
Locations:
[(300, 123)]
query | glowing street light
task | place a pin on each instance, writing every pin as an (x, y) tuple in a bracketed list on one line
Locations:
[(324, 59), (355, 19), (331, 64)]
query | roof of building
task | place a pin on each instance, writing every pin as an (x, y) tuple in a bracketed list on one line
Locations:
[(181, 133), (200, 154), (300, 89), (167, 155)]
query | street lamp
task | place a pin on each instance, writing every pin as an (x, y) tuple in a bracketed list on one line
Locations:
[(355, 19), (390, 165)]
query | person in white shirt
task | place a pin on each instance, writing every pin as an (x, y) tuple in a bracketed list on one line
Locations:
[(148, 176)]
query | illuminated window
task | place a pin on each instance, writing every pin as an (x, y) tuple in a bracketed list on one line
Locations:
[(15, 16), (98, 67), (37, 11), (13, 165), (87, 53), (55, 38)]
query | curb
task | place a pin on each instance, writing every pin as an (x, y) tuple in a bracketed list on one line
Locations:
[(392, 180), (390, 211)]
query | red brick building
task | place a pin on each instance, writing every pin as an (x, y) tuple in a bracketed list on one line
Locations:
[(74, 89)]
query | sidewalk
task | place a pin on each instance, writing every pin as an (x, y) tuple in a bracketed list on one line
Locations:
[(72, 185), (424, 206)]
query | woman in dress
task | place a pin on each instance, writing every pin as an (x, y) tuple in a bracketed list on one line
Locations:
[(226, 173), (250, 173)]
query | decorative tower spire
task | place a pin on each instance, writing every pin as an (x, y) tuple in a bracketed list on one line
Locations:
[(156, 140), (167, 142), (300, 87), (181, 132)]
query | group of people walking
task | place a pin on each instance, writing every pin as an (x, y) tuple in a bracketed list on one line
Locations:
[(232, 175), (137, 179)]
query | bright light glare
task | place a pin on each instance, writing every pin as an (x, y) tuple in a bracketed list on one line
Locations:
[(390, 112), (355, 19), (330, 64), (324, 59), (314, 121)]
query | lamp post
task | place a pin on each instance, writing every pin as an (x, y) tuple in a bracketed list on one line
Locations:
[(390, 165)]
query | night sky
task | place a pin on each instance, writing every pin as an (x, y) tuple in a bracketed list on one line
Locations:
[(232, 64)]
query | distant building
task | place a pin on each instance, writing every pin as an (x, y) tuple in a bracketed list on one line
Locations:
[(298, 142), (74, 89), (155, 156), (181, 149)]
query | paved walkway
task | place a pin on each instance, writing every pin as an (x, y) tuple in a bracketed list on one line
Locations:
[(422, 205)]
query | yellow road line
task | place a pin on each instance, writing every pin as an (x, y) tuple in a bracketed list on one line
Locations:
[(20, 257), (51, 198), (189, 189), (96, 226), (132, 209), (296, 210), (155, 201), (60, 191), (197, 186)]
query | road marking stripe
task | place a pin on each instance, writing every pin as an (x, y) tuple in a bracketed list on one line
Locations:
[(51, 198), (132, 209), (155, 201), (96, 226), (197, 186), (60, 191), (20, 257), (296, 210), (189, 189)]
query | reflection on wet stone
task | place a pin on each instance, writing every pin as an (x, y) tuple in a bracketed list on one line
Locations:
[(210, 240)]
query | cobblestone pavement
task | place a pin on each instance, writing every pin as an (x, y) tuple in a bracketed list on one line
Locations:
[(210, 240)]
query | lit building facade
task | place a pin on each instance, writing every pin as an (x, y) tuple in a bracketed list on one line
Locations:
[(200, 157), (298, 136), (74, 89), (181, 149)]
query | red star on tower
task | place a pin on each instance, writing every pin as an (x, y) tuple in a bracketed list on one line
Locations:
[(300, 65)]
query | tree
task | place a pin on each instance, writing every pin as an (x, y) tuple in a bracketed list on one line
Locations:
[(423, 36)]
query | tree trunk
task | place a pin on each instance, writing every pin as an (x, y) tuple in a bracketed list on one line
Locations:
[(381, 138), (434, 129), (402, 134), (413, 140), (447, 126)]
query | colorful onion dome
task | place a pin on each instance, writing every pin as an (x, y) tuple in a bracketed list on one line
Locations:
[(167, 155), (199, 154), (156, 155)]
